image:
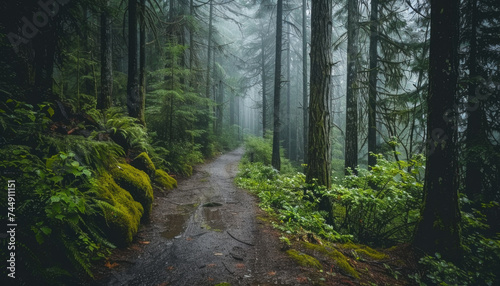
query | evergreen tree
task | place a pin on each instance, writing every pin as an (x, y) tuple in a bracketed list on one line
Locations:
[(351, 132), (438, 229), (276, 160), (318, 164)]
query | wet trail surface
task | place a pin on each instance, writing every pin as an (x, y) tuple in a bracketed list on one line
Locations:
[(203, 233)]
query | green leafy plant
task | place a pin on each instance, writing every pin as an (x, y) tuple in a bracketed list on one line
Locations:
[(380, 206), (283, 196), (58, 209)]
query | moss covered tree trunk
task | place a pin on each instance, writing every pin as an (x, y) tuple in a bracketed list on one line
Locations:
[(438, 229), (318, 151)]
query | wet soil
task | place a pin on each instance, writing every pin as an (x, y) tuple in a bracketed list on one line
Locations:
[(204, 232)]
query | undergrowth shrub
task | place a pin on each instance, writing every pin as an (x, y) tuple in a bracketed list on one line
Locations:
[(178, 158), (258, 149), (57, 208), (380, 206), (283, 196)]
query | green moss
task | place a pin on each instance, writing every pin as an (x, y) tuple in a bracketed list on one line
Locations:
[(164, 180), (223, 284), (121, 212), (304, 259), (144, 163), (365, 251), (137, 183), (339, 258)]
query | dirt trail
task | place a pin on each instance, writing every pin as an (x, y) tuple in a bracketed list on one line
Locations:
[(204, 233)]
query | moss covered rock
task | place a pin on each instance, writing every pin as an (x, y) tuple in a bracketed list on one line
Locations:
[(365, 251), (137, 183), (121, 212), (332, 253), (164, 180), (144, 163), (304, 259)]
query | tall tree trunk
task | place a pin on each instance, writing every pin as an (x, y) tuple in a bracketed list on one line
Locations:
[(304, 78), (191, 38), (351, 132), (475, 135), (264, 86), (288, 127), (220, 107), (319, 162), (276, 160), (231, 110), (133, 97), (209, 51), (142, 63), (44, 48), (372, 82), (104, 100), (438, 229)]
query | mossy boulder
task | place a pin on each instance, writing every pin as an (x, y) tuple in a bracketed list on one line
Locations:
[(164, 180), (144, 163), (304, 259), (121, 213), (340, 260), (137, 183)]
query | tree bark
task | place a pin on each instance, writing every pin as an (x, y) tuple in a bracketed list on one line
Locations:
[(276, 160), (264, 86), (372, 83), (304, 78), (438, 229), (133, 97), (104, 100), (475, 133), (318, 169), (288, 98), (351, 132), (142, 64), (209, 51)]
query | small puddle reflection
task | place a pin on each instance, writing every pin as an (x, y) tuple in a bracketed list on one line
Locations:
[(176, 223), (213, 219)]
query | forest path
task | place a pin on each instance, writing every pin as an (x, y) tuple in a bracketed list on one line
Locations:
[(204, 232)]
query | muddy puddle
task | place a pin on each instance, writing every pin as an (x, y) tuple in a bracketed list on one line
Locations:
[(175, 224), (213, 219)]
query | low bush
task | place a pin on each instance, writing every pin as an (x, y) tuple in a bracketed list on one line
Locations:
[(381, 206), (283, 196)]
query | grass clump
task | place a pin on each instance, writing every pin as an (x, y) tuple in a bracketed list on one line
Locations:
[(304, 259), (137, 183)]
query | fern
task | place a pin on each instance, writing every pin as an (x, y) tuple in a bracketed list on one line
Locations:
[(124, 130), (96, 154)]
